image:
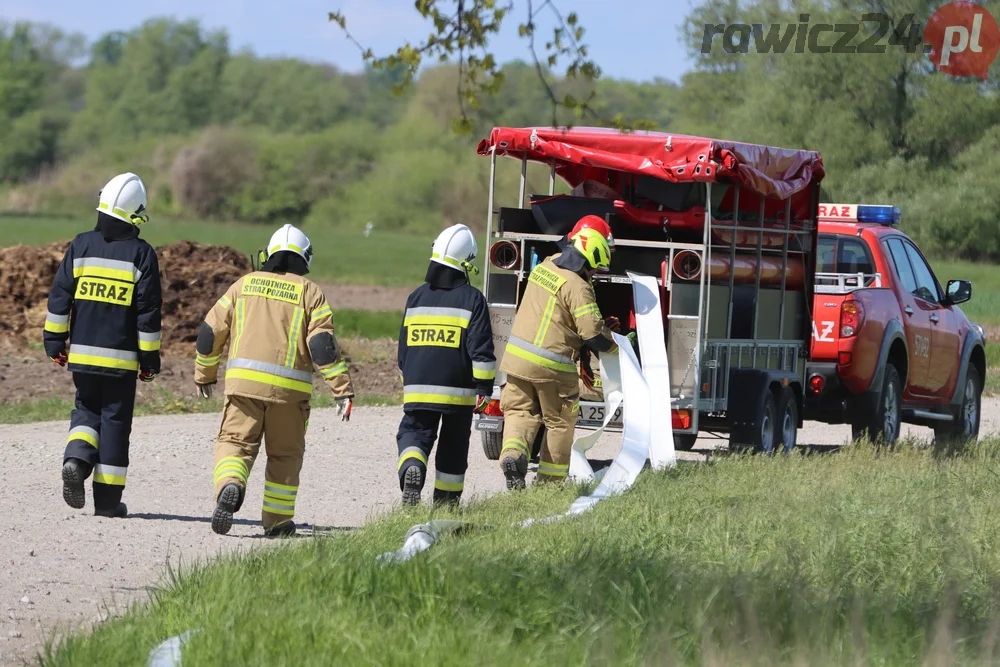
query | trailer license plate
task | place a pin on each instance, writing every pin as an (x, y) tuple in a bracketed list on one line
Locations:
[(594, 414)]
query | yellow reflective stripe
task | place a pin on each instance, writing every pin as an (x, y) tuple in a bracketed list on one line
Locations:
[(281, 501), (103, 272), (282, 487), (105, 478), (518, 444), (586, 310), (541, 361), (207, 361), (267, 378), (554, 468), (444, 320), (543, 326), (335, 370), (103, 362), (322, 311), (411, 453), (447, 260), (271, 508), (149, 346), (117, 211), (483, 375), (86, 436), (231, 466), (448, 486), (284, 246), (224, 301), (440, 399), (56, 327), (293, 337), (241, 307)]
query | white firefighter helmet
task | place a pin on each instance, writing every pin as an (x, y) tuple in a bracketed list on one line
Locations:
[(291, 238), (455, 247), (124, 197)]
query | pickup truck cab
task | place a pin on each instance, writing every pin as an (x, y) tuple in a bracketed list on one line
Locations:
[(889, 345)]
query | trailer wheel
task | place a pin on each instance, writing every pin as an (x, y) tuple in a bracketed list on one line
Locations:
[(788, 422), (768, 427), (684, 442), (492, 444)]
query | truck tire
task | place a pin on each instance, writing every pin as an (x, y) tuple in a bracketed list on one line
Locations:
[(767, 429), (882, 426), (492, 444), (684, 442), (788, 422), (965, 428)]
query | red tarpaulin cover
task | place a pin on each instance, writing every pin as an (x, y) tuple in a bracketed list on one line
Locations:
[(583, 153)]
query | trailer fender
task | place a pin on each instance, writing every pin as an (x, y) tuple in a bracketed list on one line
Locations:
[(747, 390), (972, 342), (893, 332)]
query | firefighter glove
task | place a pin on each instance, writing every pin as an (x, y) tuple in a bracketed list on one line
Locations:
[(344, 406), (613, 323), (481, 403), (60, 358), (586, 372), (205, 390), (147, 376)]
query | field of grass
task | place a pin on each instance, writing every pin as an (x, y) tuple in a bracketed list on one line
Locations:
[(340, 256), (847, 558), (370, 324)]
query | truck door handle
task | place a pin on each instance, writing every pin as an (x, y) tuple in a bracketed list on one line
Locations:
[(908, 310), (934, 319)]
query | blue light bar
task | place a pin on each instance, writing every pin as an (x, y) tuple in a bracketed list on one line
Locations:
[(883, 215)]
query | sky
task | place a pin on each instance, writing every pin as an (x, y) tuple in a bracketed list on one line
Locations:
[(639, 41)]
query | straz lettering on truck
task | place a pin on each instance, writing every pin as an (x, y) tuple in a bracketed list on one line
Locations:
[(844, 211), (434, 334), (827, 333), (921, 346), (549, 281), (105, 290), (269, 288)]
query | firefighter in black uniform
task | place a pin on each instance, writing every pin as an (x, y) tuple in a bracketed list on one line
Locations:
[(447, 366), (106, 300)]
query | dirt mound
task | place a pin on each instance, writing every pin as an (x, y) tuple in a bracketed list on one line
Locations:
[(192, 277)]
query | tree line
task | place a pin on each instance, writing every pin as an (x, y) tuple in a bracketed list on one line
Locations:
[(225, 135)]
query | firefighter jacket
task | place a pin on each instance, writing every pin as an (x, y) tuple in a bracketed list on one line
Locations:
[(557, 316), (105, 299), (445, 344), (278, 325)]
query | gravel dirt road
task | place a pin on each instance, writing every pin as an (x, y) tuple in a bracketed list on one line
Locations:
[(64, 568)]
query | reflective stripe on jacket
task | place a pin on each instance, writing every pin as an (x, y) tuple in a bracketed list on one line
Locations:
[(105, 299), (557, 313), (278, 326)]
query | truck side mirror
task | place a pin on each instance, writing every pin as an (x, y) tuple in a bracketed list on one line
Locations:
[(958, 291)]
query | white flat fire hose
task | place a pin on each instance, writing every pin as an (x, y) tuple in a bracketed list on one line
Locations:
[(647, 429)]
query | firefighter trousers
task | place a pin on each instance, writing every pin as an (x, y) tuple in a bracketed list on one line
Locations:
[(417, 432), (245, 421), (527, 405), (99, 430)]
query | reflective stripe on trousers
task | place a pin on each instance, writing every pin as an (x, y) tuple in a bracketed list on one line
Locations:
[(104, 357), (539, 355), (280, 498), (444, 481), (272, 374), (439, 394), (112, 475)]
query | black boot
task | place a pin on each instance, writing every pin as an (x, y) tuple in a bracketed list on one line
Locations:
[(413, 484), (74, 473), (119, 512), (447, 499), (515, 469), (229, 500), (281, 530)]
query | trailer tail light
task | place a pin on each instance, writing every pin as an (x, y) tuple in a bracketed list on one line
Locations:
[(852, 316), (493, 408), (505, 255), (816, 384), (681, 419)]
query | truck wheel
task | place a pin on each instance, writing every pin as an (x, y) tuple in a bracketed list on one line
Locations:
[(492, 444), (966, 424), (684, 442), (883, 426), (788, 422)]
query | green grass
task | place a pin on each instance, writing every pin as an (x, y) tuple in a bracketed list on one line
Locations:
[(369, 324), (341, 255), (847, 558), (984, 307)]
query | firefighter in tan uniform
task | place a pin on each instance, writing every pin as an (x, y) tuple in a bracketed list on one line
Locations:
[(558, 315), (279, 325)]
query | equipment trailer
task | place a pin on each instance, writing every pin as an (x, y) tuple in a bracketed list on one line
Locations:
[(737, 334)]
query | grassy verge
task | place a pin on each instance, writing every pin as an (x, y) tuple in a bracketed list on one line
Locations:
[(367, 324), (341, 255), (838, 559)]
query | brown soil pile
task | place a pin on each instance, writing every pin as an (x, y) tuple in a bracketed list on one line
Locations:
[(192, 277)]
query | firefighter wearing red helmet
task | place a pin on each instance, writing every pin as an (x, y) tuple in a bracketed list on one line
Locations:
[(597, 224)]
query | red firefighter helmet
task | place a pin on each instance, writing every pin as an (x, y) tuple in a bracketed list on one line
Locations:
[(598, 225)]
